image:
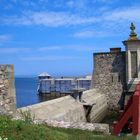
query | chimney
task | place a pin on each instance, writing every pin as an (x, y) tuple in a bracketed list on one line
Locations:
[(115, 50)]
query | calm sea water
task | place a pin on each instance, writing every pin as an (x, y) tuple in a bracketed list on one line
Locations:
[(26, 91)]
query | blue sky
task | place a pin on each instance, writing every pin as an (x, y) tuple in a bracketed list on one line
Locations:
[(60, 36)]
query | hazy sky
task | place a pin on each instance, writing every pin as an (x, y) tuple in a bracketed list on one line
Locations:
[(60, 36)]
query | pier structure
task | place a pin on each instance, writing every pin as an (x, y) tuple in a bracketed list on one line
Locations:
[(65, 85)]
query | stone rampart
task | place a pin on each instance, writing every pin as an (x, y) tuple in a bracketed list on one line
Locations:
[(61, 109), (97, 105), (109, 76), (7, 90), (93, 106), (64, 112), (104, 128)]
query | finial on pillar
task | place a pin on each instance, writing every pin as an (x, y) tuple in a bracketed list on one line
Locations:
[(133, 35)]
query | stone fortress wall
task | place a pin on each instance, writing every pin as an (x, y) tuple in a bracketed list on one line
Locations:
[(60, 109), (109, 75), (64, 112), (108, 84), (108, 78), (67, 112), (95, 104), (93, 108), (7, 90), (113, 72)]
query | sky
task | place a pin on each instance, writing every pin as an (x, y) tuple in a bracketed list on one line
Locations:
[(60, 36)]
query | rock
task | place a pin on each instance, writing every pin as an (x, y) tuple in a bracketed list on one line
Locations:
[(1, 72), (82, 125), (2, 86)]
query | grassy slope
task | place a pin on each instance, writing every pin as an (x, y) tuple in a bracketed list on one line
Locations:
[(21, 130)]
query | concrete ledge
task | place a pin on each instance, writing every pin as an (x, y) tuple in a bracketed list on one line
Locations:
[(93, 105), (99, 107), (64, 108)]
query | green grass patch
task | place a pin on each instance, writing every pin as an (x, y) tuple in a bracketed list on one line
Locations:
[(22, 130)]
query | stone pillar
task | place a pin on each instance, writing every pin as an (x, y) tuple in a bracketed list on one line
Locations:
[(132, 46), (7, 90)]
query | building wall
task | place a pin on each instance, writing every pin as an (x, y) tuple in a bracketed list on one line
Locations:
[(63, 85), (109, 75), (7, 90)]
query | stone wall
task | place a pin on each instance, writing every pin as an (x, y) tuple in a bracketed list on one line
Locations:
[(67, 112), (93, 105), (96, 105), (7, 90), (61, 109), (92, 108), (109, 75), (104, 128)]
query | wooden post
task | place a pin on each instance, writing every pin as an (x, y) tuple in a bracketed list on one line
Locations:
[(132, 110), (136, 113)]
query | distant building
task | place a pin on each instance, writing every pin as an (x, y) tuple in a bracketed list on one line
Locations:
[(44, 75), (48, 84)]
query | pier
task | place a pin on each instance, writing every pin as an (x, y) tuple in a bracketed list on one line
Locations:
[(61, 86)]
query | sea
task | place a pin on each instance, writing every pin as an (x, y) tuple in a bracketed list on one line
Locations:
[(26, 91)]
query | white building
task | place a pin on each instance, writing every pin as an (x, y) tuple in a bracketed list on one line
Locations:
[(47, 84)]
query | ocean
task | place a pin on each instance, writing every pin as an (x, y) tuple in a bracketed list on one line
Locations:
[(26, 91)]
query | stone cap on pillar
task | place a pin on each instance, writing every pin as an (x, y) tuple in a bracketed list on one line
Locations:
[(133, 35)]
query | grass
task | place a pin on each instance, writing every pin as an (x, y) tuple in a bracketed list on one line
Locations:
[(22, 130)]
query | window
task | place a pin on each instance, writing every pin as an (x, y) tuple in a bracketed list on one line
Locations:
[(134, 73)]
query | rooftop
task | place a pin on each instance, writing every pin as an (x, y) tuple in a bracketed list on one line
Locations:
[(44, 74)]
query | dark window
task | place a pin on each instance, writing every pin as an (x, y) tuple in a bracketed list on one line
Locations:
[(134, 73), (119, 78), (112, 79)]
